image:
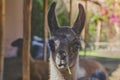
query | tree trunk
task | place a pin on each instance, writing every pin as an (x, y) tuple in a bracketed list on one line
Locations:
[(98, 33)]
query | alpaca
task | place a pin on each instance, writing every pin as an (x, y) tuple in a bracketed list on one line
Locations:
[(39, 70), (64, 44), (36, 45)]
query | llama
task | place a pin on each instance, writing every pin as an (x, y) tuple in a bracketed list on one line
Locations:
[(64, 44), (39, 69)]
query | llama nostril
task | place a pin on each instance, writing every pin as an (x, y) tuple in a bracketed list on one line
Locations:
[(63, 57), (62, 54)]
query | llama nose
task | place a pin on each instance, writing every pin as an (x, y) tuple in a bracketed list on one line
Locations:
[(62, 54)]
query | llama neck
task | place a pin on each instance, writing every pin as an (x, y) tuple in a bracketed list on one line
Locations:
[(80, 71), (77, 71), (55, 74)]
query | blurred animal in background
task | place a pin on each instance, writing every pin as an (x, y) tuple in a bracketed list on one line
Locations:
[(36, 47), (39, 70)]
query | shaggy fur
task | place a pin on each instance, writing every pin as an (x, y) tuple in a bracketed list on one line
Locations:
[(64, 44), (39, 70)]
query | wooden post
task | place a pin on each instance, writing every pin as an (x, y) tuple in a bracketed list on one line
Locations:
[(45, 29), (98, 33), (2, 26), (70, 15), (99, 22), (26, 39), (84, 29)]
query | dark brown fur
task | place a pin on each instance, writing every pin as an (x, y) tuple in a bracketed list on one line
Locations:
[(91, 66), (38, 70), (64, 43)]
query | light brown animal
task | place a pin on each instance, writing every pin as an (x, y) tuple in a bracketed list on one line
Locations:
[(39, 70)]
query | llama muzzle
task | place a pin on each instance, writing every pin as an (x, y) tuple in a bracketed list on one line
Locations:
[(61, 60)]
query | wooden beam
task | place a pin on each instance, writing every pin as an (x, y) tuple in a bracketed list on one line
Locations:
[(70, 15), (99, 23), (2, 26), (26, 39), (45, 29)]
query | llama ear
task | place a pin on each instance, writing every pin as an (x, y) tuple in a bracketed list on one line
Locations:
[(52, 21), (80, 21)]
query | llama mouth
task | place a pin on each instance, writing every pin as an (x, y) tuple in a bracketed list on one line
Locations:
[(62, 65)]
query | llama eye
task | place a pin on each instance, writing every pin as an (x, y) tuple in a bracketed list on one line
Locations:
[(52, 45)]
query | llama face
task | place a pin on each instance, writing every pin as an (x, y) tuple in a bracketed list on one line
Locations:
[(64, 41), (64, 47)]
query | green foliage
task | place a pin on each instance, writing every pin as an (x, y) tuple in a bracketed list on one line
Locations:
[(104, 34), (92, 32), (37, 18), (92, 26), (63, 19)]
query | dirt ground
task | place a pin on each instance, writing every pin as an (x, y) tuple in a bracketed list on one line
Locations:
[(13, 67)]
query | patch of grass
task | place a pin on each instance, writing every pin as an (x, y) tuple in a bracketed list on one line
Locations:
[(89, 53), (95, 53)]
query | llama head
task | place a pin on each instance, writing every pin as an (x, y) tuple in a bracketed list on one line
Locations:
[(64, 41)]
